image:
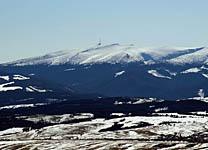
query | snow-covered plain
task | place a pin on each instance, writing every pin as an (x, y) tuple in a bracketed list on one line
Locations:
[(130, 135), (56, 118)]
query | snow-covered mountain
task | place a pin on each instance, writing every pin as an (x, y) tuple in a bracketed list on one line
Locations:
[(122, 70), (116, 53), (127, 93), (200, 57)]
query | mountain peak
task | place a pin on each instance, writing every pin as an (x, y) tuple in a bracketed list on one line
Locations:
[(117, 53)]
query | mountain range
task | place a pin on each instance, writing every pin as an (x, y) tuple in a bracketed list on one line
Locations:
[(118, 70)]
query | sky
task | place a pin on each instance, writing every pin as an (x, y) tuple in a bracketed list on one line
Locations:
[(36, 27)]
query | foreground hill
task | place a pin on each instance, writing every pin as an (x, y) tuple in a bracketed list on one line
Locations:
[(111, 123)]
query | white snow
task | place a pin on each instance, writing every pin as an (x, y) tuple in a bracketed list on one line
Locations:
[(117, 114), (86, 135), (204, 67), (31, 74), (118, 103), (11, 131), (4, 78), (191, 70), (57, 118), (200, 113), (21, 106), (113, 53), (34, 89), (157, 74), (4, 87), (29, 89), (205, 75), (135, 101), (20, 77), (200, 56), (161, 109), (119, 73), (171, 73), (203, 99), (141, 101), (70, 69)]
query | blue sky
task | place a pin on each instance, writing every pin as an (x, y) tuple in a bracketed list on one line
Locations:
[(35, 27)]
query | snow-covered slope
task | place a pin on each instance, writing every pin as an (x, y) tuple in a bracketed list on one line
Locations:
[(18, 82), (21, 89), (27, 84), (200, 56), (4, 87), (116, 53)]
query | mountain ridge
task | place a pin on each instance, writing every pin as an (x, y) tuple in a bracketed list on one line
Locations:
[(122, 70), (116, 53)]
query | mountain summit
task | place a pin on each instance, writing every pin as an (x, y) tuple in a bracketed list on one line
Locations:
[(116, 53)]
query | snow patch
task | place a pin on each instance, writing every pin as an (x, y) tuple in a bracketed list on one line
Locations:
[(199, 113), (3, 87), (119, 73), (157, 74), (118, 103), (171, 73), (11, 131), (70, 69), (33, 89), (161, 109), (118, 114), (21, 106), (205, 75), (191, 70), (204, 67), (20, 77), (4, 78), (141, 101), (57, 118)]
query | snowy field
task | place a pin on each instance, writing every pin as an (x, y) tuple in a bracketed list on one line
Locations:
[(164, 131)]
